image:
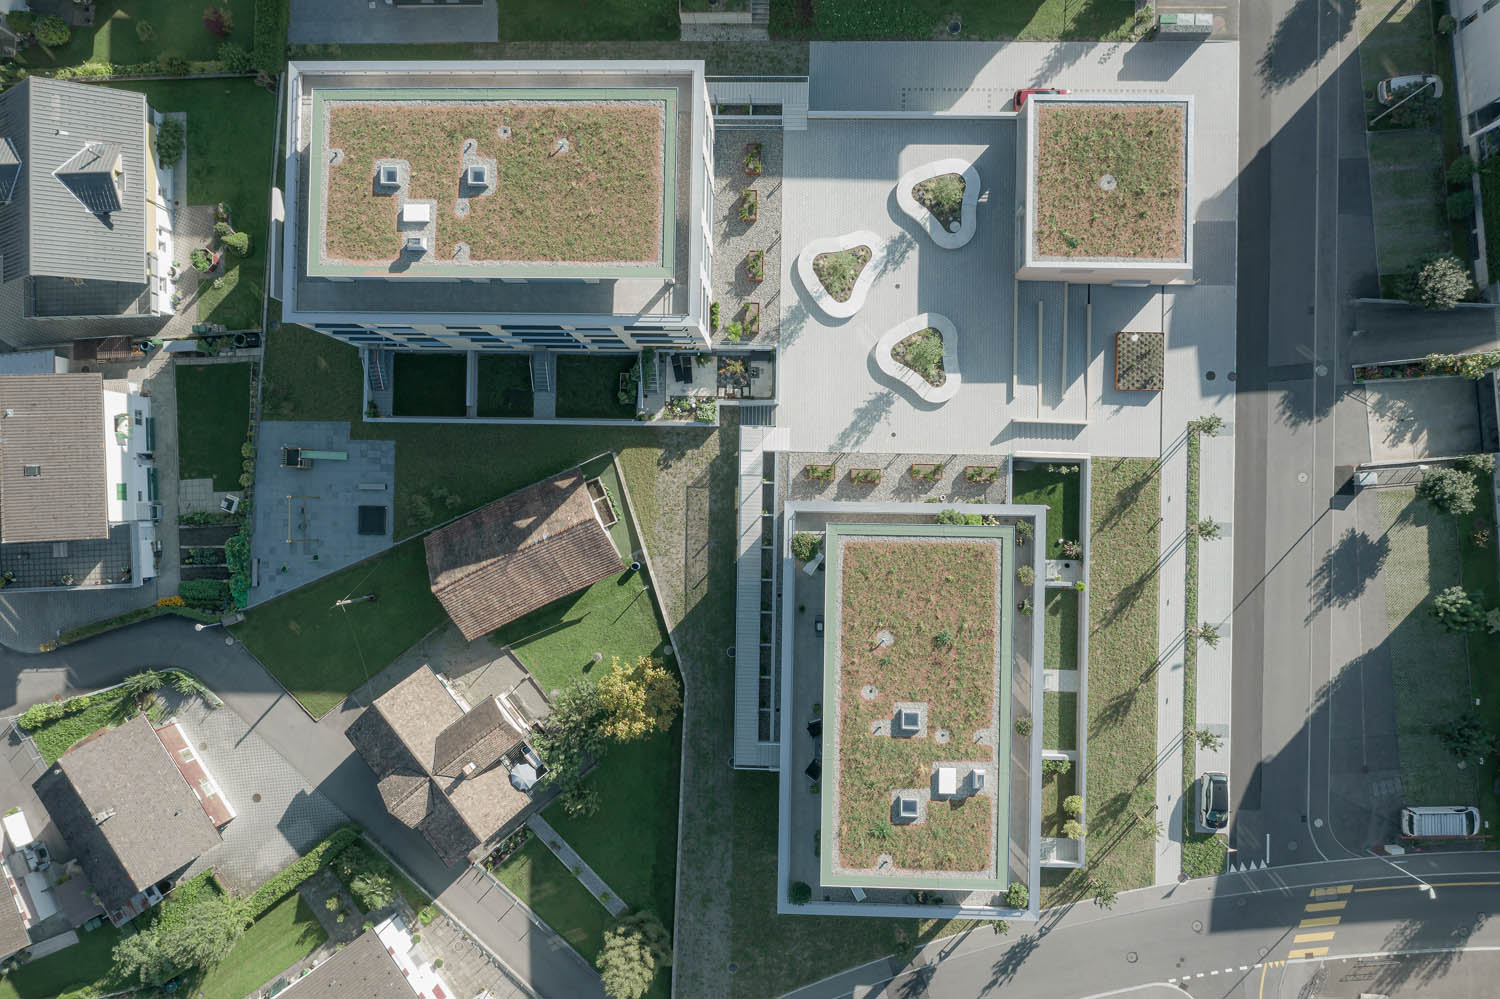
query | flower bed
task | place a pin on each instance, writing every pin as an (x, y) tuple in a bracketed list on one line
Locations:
[(839, 271), (924, 472), (818, 473), (943, 196), (922, 351), (981, 473), (865, 476)]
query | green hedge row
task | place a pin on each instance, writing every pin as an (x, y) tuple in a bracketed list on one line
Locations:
[(129, 617), (270, 36), (204, 594), (312, 862), (50, 711)]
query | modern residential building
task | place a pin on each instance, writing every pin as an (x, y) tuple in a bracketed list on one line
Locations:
[(85, 214), (137, 808), (498, 206), (459, 775), (77, 481), (1475, 42)]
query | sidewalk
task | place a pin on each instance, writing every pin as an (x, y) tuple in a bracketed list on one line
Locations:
[(572, 861)]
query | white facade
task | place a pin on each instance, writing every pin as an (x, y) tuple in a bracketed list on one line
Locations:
[(130, 473), (1476, 42)]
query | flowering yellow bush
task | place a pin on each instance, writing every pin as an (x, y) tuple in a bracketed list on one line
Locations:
[(640, 699), (172, 601)]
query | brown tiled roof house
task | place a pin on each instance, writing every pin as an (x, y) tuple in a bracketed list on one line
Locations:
[(521, 552), (441, 770)]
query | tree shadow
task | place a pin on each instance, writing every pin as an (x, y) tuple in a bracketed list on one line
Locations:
[(1425, 968), (1347, 568), (864, 420), (1308, 31)]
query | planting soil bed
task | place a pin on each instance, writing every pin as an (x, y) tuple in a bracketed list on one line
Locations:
[(838, 271), (923, 353), (943, 196)]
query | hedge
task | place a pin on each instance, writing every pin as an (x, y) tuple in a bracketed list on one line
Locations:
[(204, 594), (310, 863), (129, 617), (270, 36), (38, 715)]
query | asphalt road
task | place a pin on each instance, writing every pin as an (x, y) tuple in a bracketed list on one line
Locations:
[(1312, 714), (322, 754), (1346, 922)]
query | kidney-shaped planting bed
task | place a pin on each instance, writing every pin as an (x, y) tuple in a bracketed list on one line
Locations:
[(943, 198), (838, 270), (922, 354)]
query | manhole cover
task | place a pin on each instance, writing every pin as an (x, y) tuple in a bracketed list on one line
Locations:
[(1132, 957), (1108, 182), (869, 691), (942, 735), (1197, 926), (729, 652), (954, 27), (1232, 376), (1263, 951), (733, 967), (255, 797), (1209, 375), (1301, 476), (1292, 845), (884, 638)]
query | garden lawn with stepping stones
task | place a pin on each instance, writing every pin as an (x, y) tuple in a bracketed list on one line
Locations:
[(505, 385), (923, 353), (1061, 648), (839, 271), (924, 20), (428, 385), (213, 417), (551, 891), (1044, 485)]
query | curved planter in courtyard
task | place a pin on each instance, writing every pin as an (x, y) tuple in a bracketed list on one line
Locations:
[(833, 244), (897, 371), (968, 214)]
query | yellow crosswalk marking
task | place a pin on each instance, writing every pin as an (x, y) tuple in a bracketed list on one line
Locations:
[(1319, 921), (1326, 906), (1312, 937), (1332, 890), (1308, 952)]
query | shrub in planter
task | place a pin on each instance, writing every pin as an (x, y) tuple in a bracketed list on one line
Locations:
[(753, 165), (1460, 170), (1460, 205), (1025, 531), (239, 242), (755, 265), (202, 262), (169, 138), (1026, 575), (806, 545), (800, 893), (1072, 805), (1023, 726), (734, 331), (218, 20), (1053, 768), (51, 31), (1072, 829), (713, 317), (864, 476), (236, 59), (1017, 896), (749, 205)]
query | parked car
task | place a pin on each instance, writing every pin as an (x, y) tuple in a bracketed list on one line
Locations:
[(1439, 821), (1393, 88), (1021, 95), (1213, 801), (818, 625)]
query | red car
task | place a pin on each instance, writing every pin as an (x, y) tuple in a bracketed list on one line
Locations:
[(1021, 95)]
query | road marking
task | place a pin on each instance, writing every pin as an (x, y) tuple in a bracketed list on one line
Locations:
[(1262, 993), (1308, 952), (1308, 924), (1312, 937), (1326, 906), (1334, 890), (1214, 972)]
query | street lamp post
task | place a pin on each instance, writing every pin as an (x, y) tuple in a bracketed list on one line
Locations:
[(1427, 889)]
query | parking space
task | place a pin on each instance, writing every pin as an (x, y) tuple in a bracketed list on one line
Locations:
[(1422, 418)]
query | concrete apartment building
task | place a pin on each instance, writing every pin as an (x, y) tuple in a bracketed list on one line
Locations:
[(1475, 42), (393, 241)]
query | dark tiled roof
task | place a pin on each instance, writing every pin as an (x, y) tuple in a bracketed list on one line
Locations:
[(56, 423), (362, 970), (521, 552), (125, 810), (417, 725), (13, 935)]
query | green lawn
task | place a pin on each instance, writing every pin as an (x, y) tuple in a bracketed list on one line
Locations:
[(428, 384), (320, 652), (588, 386), (1489, 185), (551, 891), (175, 30), (1479, 576), (1125, 506), (57, 737), (1429, 666), (504, 385), (1061, 635), (230, 139), (1059, 493), (620, 532), (605, 20), (1059, 720), (925, 19), (213, 416), (374, 860), (86, 962), (286, 934), (784, 58)]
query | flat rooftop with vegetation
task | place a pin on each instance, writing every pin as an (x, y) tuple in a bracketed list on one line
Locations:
[(916, 694), (464, 188), (1108, 179)]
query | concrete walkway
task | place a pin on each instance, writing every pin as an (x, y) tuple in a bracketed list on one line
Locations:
[(606, 895)]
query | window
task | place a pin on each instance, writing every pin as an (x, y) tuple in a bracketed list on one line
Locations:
[(32, 471), (120, 493)]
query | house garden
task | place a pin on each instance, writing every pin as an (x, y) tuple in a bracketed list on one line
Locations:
[(597, 386), (428, 384), (504, 386), (213, 420), (1055, 485)]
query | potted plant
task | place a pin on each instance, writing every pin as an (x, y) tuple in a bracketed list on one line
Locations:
[(734, 331), (752, 318), (864, 476), (755, 265), (752, 159), (713, 317), (749, 205)]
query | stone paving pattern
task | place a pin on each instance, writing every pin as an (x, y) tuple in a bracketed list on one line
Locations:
[(585, 874)]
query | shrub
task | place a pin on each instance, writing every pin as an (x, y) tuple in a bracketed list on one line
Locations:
[(1492, 621), (1450, 490), (1026, 575), (171, 64), (713, 317), (1460, 205), (169, 136), (1104, 892), (581, 802), (239, 242), (1054, 768), (222, 229), (1072, 829), (372, 891), (1023, 726), (1457, 610), (1447, 24), (1025, 607), (1437, 282), (1070, 548), (204, 594), (1208, 426), (946, 192), (1207, 529), (1025, 530), (1479, 464), (144, 31), (1017, 896), (310, 863), (332, 903), (1419, 111), (270, 36), (734, 331), (236, 59), (1072, 806), (1465, 736), (22, 22), (954, 517), (1460, 170), (425, 915), (806, 545), (218, 20), (51, 31), (800, 893)]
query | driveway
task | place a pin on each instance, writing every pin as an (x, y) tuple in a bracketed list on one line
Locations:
[(319, 22)]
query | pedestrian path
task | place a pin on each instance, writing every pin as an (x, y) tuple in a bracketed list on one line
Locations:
[(572, 861)]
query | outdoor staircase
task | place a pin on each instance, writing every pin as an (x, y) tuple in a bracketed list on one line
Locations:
[(379, 379), (650, 373), (541, 371), (759, 415), (760, 13)]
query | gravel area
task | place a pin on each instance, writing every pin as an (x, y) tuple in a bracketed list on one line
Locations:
[(733, 238)]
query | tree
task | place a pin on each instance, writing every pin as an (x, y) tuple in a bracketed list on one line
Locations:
[(1479, 464), (639, 699), (239, 242), (1450, 490), (197, 936), (800, 893), (1104, 892), (1465, 736), (1072, 806), (169, 136), (1207, 529), (51, 31), (1458, 611), (580, 802), (1207, 633), (633, 949), (218, 20), (1017, 896), (806, 545), (1207, 739), (571, 736), (1208, 426), (1437, 282), (137, 685), (372, 891)]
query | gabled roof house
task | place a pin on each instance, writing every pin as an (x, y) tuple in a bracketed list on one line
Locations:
[(80, 210)]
